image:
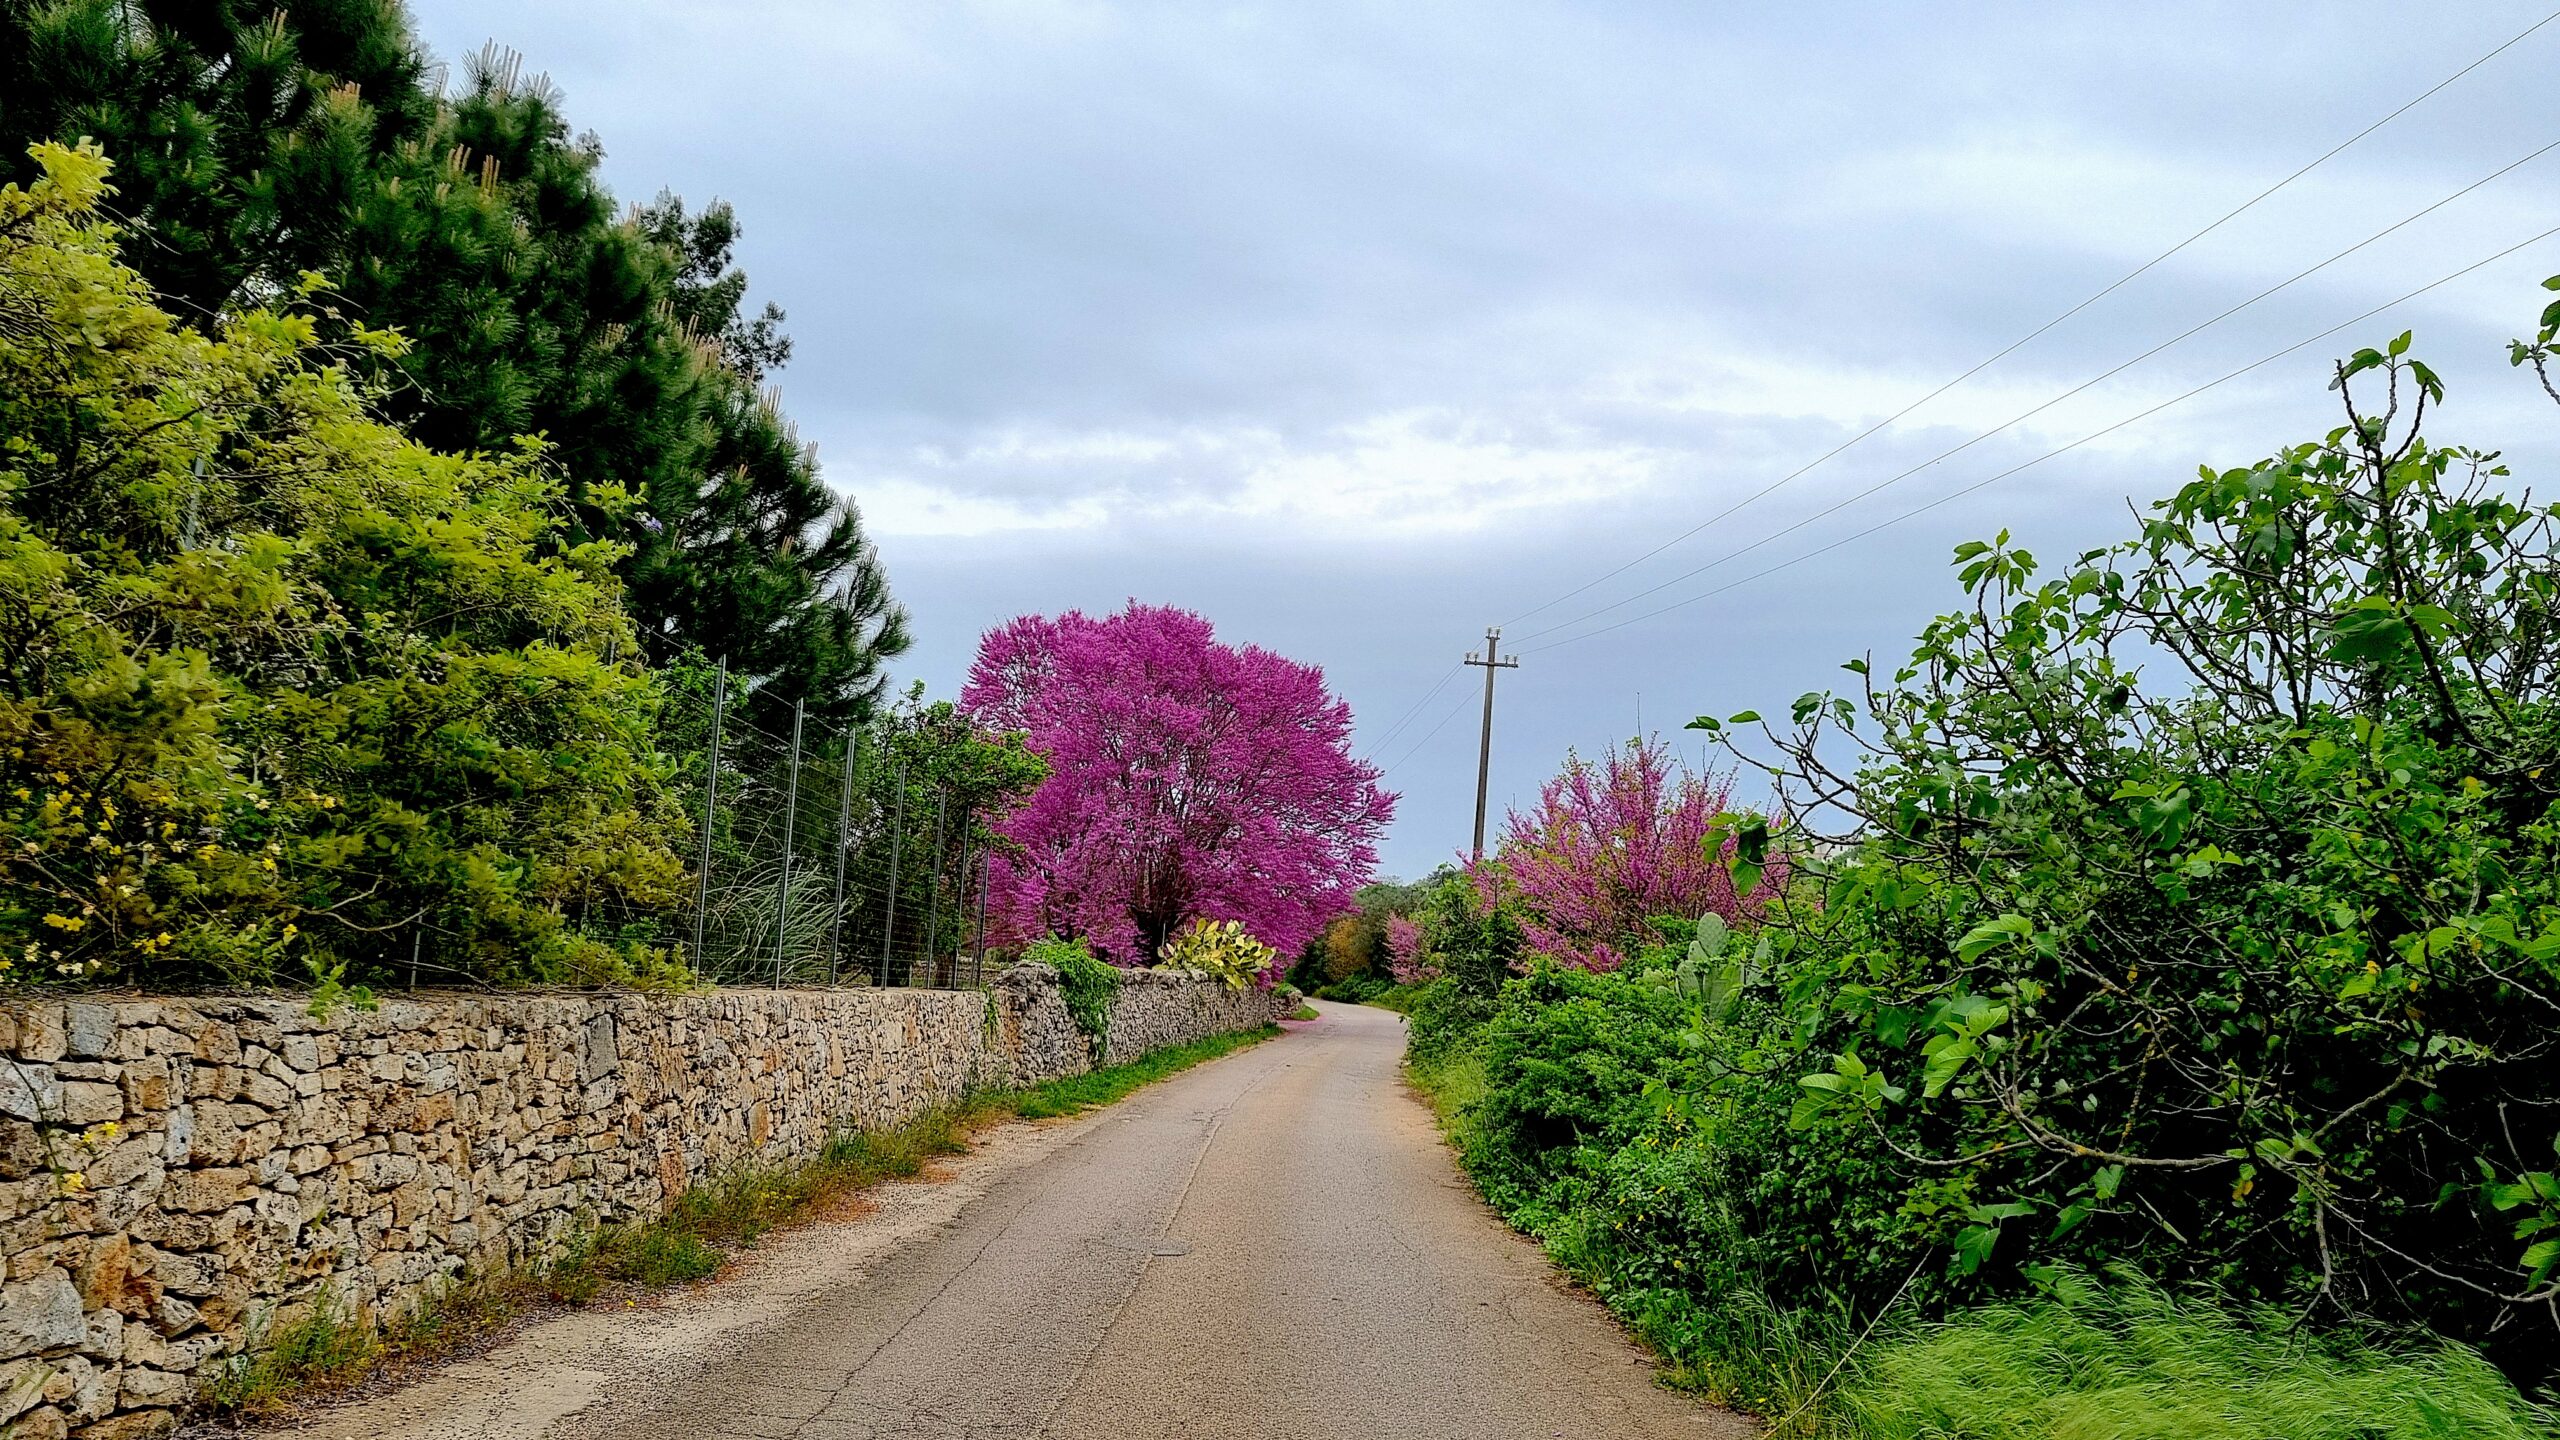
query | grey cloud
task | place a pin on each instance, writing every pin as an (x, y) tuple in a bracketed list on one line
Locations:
[(1244, 237)]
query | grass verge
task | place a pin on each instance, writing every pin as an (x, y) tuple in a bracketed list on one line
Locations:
[(1101, 1087), (1399, 998), (2124, 1359), (2091, 1358), (321, 1349), (1453, 1085), (324, 1348)]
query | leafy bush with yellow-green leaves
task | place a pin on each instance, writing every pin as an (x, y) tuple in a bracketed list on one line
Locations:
[(1223, 948), (285, 695)]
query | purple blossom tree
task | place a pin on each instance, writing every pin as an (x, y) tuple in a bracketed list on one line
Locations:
[(1187, 780), (1609, 847), (1405, 958)]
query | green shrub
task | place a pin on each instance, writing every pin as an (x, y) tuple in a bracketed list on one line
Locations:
[(2243, 982), (292, 697), (1447, 1017), (1399, 998), (2203, 912), (1569, 1059), (1686, 1207), (1478, 946), (1088, 982), (1356, 989)]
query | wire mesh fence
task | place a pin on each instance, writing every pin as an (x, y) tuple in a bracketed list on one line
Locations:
[(830, 855)]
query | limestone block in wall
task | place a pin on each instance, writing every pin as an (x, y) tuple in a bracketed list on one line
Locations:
[(30, 1091), (22, 1385), (41, 1312)]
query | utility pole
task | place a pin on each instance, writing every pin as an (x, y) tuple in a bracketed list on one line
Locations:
[(1490, 661)]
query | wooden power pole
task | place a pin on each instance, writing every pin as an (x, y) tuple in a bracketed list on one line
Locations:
[(1490, 661)]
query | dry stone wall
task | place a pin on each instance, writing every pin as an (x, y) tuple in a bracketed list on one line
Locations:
[(1154, 1009), (178, 1177)]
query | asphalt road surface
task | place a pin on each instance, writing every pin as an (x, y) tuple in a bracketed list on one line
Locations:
[(1272, 1245)]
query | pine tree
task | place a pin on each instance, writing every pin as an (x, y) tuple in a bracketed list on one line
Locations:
[(254, 145), (709, 290), (238, 132)]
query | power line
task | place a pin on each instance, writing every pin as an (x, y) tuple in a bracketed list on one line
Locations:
[(1455, 708), (2057, 450), (1407, 718), (2127, 278), (2023, 416)]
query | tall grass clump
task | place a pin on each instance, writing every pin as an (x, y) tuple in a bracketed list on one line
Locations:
[(327, 1346), (2128, 1361)]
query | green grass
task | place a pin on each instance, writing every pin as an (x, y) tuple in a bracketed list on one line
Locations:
[(1101, 1087), (1306, 1012), (1454, 1085), (323, 1348), (1399, 998), (2123, 1361)]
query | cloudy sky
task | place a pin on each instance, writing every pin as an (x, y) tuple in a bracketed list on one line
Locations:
[(1361, 327)]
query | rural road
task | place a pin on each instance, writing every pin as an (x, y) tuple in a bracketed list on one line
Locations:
[(1272, 1245)]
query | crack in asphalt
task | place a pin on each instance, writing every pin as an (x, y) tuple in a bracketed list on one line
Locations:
[(1173, 1215)]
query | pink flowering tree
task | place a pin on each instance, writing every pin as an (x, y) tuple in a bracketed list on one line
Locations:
[(1187, 780), (1612, 845), (1406, 959)]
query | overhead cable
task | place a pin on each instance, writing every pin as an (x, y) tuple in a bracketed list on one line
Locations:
[(2012, 347), (2049, 454)]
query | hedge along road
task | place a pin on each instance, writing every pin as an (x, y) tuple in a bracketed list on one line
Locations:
[(1272, 1245)]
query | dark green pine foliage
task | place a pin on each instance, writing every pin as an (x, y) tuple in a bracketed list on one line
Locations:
[(709, 291), (239, 136), (252, 147)]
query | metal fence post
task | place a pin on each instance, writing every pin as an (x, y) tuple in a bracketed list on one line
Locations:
[(710, 808), (933, 908), (897, 845), (790, 819), (967, 844), (844, 844), (986, 877)]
